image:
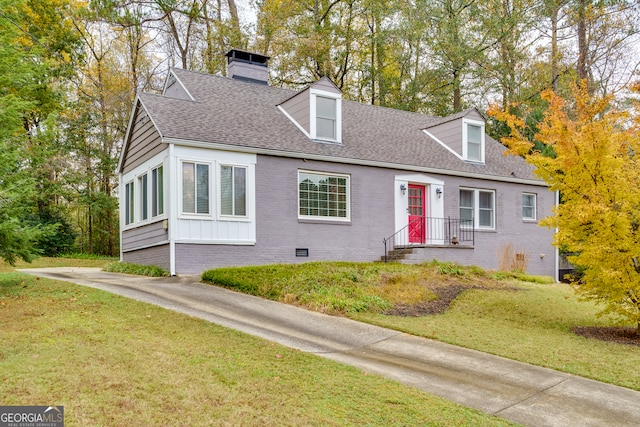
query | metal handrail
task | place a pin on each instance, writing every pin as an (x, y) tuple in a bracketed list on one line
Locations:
[(438, 231)]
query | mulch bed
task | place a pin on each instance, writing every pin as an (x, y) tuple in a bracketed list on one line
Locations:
[(446, 295), (619, 335)]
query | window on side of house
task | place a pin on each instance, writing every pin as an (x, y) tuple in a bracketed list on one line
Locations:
[(143, 184), (477, 207), (528, 206), (129, 203), (473, 141), (233, 190), (323, 196), (157, 191), (195, 188)]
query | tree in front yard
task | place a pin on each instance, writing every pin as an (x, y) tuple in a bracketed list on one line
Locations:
[(597, 172)]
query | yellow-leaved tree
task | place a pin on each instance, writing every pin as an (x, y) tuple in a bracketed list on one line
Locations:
[(596, 170)]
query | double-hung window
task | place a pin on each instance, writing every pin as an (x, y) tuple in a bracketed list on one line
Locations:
[(528, 206), (129, 203), (477, 207), (195, 188), (326, 118), (473, 141), (143, 184), (323, 196), (157, 191), (325, 109), (233, 190)]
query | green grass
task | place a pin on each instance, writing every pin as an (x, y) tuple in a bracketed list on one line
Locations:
[(45, 262), (112, 361), (521, 317)]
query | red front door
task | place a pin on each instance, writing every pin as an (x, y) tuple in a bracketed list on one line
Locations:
[(417, 205)]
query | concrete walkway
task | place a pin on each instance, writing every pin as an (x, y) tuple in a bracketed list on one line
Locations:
[(511, 390)]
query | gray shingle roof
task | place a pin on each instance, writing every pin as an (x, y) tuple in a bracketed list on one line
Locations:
[(237, 113)]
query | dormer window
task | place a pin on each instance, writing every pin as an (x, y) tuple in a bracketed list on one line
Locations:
[(325, 116), (473, 141)]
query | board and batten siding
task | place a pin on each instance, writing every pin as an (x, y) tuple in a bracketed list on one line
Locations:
[(145, 141), (213, 228), (144, 236)]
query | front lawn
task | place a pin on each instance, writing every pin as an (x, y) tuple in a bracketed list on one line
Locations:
[(113, 361), (516, 316)]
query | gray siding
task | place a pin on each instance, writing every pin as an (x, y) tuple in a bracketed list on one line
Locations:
[(146, 235), (450, 133), (298, 108), (525, 236), (145, 141), (157, 255), (326, 85), (279, 232)]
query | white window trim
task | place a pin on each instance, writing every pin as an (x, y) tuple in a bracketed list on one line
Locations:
[(164, 195), (465, 154), (140, 202), (194, 215), (476, 207), (135, 177), (313, 115), (220, 216), (325, 218), (132, 209), (535, 207)]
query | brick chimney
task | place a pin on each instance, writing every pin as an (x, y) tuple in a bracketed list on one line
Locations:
[(247, 66)]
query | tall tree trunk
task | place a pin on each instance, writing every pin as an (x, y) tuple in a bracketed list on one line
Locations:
[(457, 93), (583, 48), (555, 75)]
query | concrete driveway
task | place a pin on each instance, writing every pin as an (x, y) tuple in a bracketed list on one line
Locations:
[(511, 390)]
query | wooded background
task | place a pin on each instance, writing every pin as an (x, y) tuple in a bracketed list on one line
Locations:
[(69, 72)]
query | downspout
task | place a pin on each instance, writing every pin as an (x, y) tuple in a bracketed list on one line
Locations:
[(173, 207), (557, 251), (121, 214)]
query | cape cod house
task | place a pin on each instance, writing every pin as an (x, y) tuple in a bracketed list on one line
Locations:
[(221, 171)]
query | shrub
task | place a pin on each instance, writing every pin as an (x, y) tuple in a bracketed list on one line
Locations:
[(140, 270)]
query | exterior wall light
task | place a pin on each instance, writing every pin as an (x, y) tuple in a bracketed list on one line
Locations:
[(403, 189), (439, 192)]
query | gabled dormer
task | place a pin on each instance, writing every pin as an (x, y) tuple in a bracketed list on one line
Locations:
[(463, 134), (317, 111), (173, 88)]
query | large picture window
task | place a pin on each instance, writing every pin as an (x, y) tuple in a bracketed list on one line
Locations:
[(233, 190), (195, 188), (323, 196), (477, 207)]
